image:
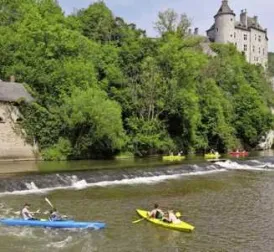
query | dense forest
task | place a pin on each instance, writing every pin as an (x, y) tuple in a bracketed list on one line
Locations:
[(103, 87)]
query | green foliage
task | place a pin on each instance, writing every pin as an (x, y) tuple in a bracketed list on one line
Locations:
[(170, 22), (93, 122), (41, 124), (215, 127), (125, 155), (58, 152), (102, 87), (97, 22), (148, 137), (252, 116)]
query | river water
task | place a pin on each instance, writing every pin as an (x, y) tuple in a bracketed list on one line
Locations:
[(231, 205)]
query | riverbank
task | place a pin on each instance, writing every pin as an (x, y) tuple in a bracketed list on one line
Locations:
[(38, 166)]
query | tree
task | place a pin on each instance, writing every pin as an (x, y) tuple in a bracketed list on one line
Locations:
[(97, 22), (91, 129), (101, 86), (170, 22)]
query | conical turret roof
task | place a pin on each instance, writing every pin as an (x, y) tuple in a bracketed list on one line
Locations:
[(225, 9)]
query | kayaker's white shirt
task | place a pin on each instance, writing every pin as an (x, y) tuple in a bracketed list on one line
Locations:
[(173, 219), (26, 214)]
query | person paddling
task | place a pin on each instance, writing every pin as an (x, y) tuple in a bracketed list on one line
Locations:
[(172, 218), (54, 215), (27, 214), (156, 213)]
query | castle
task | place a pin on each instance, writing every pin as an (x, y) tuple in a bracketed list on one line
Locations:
[(247, 34)]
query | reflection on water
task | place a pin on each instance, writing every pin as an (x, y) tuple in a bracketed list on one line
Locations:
[(45, 167), (17, 167)]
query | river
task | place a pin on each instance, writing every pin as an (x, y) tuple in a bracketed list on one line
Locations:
[(230, 204)]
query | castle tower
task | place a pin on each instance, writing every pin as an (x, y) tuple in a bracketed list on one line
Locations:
[(248, 36), (224, 24)]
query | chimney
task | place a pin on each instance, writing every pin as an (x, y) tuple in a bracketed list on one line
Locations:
[(255, 20), (12, 78), (189, 31), (243, 17), (196, 31)]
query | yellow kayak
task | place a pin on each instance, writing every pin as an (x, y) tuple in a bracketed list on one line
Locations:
[(183, 226), (173, 158), (212, 155)]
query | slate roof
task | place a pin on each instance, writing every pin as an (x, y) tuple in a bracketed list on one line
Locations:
[(225, 9), (12, 92), (251, 23), (212, 27)]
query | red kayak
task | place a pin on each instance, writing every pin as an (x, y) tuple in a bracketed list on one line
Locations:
[(239, 153)]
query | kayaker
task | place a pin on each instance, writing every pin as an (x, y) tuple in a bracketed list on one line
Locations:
[(156, 213), (27, 214), (172, 218), (54, 215)]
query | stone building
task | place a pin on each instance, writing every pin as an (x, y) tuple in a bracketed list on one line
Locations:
[(12, 138), (246, 34)]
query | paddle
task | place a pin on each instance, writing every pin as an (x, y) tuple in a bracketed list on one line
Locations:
[(136, 221), (47, 200)]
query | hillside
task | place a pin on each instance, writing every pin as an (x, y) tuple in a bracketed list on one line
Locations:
[(102, 87)]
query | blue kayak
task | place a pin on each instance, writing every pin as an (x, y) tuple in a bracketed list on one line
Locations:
[(53, 224)]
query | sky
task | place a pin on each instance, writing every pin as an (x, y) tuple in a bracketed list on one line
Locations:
[(144, 12)]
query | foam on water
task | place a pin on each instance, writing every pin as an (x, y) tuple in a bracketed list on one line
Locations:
[(262, 164), (60, 244), (230, 165), (147, 177), (31, 186), (82, 184)]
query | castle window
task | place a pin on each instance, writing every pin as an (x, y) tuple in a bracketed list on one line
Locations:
[(259, 49), (234, 34), (255, 36), (259, 38), (231, 19), (245, 36), (263, 51), (253, 49), (245, 47), (2, 120), (19, 120)]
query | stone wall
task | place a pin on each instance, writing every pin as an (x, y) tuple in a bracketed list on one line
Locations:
[(12, 137)]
